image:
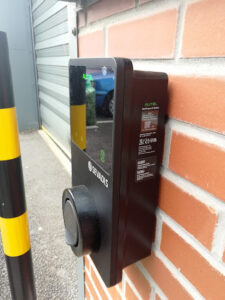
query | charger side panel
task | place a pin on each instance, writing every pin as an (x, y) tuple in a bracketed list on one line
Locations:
[(141, 163)]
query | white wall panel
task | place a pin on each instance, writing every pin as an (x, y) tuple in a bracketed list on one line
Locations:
[(52, 32), (53, 22)]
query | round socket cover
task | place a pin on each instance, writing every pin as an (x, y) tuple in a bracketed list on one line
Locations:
[(81, 220), (70, 221)]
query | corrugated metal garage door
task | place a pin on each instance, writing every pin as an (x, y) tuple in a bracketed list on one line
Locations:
[(53, 22)]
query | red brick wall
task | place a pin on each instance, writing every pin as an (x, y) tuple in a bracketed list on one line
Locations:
[(186, 39)]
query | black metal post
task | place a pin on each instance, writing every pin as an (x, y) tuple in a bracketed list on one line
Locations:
[(13, 213)]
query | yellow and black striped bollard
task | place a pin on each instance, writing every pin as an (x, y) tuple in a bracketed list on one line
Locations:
[(13, 213)]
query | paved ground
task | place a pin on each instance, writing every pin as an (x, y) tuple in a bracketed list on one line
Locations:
[(54, 263)]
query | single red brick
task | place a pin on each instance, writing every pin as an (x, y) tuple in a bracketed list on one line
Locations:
[(188, 212), (208, 281), (91, 44), (204, 29), (142, 285), (105, 8), (198, 162), (153, 36), (129, 293), (198, 100), (165, 280)]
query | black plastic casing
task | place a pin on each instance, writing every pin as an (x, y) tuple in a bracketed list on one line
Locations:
[(126, 207)]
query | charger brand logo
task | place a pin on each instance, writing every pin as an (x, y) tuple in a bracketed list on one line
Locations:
[(101, 177)]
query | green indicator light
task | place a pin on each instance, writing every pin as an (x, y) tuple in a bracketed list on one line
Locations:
[(149, 104), (87, 77), (102, 156)]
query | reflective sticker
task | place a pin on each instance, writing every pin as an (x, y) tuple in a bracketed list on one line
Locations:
[(9, 140), (15, 235), (78, 125)]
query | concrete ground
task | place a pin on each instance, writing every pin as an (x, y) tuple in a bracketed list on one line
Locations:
[(54, 263)]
